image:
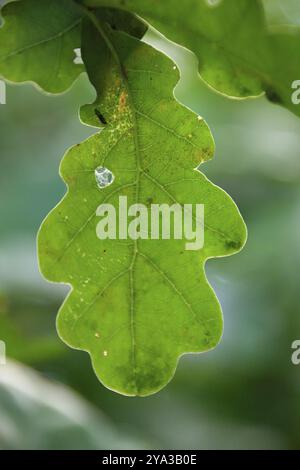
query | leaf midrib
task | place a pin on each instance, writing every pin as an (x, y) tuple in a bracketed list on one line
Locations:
[(115, 55)]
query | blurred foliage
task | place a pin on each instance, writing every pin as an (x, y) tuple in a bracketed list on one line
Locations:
[(244, 394), (37, 414)]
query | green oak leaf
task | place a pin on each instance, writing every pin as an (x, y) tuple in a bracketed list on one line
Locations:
[(238, 54), (136, 305), (39, 38), (37, 43), (122, 20)]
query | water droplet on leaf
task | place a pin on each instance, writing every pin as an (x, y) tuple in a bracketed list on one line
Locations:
[(104, 177)]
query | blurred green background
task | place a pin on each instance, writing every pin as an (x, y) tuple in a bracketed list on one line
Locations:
[(243, 395)]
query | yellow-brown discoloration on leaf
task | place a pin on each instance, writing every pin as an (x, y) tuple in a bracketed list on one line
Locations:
[(122, 101)]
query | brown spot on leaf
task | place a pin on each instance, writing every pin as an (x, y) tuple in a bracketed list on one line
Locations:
[(122, 101)]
